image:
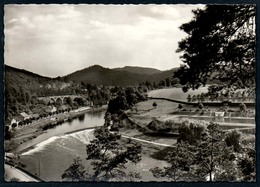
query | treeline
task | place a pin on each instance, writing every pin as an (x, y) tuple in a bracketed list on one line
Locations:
[(222, 93), (165, 83)]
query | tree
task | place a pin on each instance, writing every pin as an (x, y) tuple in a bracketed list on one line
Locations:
[(179, 165), (208, 157), (200, 106), (189, 98), (76, 172), (108, 155), (247, 165), (117, 104), (162, 83), (233, 139), (180, 106), (168, 82), (154, 104), (220, 46), (14, 125), (190, 132), (242, 107)]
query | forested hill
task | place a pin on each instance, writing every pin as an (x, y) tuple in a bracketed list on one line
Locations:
[(19, 81), (119, 76), (20, 72), (99, 75)]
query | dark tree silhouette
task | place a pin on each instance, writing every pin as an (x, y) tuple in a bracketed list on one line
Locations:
[(220, 46)]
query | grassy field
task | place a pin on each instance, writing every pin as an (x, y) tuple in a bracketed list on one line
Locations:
[(164, 108), (176, 93)]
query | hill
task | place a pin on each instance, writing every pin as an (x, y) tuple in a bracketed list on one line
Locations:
[(20, 80), (109, 77), (157, 77), (139, 70), (126, 76)]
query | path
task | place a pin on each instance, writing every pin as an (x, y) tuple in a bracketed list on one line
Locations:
[(149, 142)]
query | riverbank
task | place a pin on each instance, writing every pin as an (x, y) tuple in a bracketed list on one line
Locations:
[(34, 130)]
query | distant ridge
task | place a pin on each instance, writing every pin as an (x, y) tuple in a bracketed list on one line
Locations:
[(128, 75), (109, 77), (139, 70)]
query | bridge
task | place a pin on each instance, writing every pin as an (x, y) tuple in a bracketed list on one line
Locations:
[(59, 98)]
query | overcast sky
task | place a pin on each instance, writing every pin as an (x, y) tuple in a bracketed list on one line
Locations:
[(55, 40)]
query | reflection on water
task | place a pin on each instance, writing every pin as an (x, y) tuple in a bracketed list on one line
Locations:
[(81, 118)]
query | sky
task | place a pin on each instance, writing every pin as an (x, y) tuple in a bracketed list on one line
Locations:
[(55, 40)]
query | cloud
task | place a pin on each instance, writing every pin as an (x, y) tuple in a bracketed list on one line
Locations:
[(54, 40)]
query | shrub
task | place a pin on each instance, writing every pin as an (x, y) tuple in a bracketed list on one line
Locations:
[(242, 107), (14, 125), (154, 104), (190, 132), (233, 139), (200, 106)]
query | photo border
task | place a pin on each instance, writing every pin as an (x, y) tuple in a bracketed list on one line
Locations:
[(130, 184)]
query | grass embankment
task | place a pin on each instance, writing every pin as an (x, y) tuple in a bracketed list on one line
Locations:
[(38, 127)]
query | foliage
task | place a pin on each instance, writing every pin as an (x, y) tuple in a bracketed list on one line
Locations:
[(179, 165), (207, 159), (76, 172), (108, 157), (247, 165), (233, 139), (180, 106), (154, 104), (117, 104), (220, 46), (191, 132), (242, 107), (200, 106)]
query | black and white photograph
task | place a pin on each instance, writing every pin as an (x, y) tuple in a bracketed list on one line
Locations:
[(129, 93)]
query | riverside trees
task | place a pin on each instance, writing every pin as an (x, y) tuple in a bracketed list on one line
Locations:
[(220, 46)]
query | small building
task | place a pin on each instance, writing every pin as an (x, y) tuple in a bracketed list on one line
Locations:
[(219, 114), (36, 116), (25, 116), (54, 109)]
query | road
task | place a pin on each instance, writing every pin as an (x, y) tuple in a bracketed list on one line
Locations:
[(149, 142), (11, 172)]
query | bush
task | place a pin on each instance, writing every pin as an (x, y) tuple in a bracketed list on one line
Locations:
[(154, 104), (190, 132), (233, 139), (242, 107), (14, 125), (200, 106)]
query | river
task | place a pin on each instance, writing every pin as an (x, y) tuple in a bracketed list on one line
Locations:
[(48, 155), (87, 120), (49, 158)]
